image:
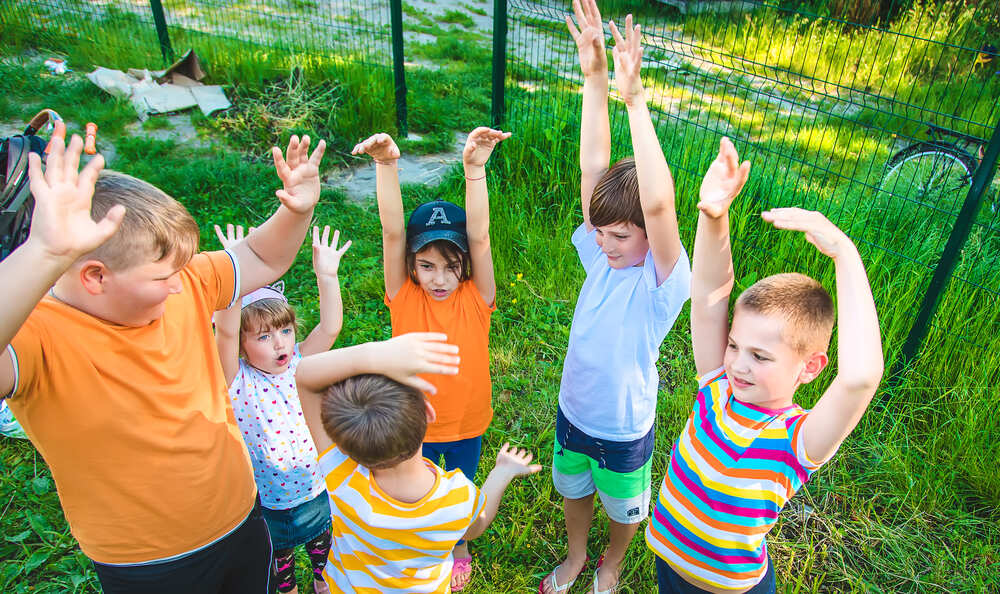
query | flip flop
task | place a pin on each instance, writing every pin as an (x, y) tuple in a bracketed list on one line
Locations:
[(557, 589), (596, 591), (462, 566)]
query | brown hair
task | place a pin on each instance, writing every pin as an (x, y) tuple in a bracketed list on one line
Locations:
[(616, 197), (375, 420), (155, 225), (801, 301), (265, 314), (449, 251)]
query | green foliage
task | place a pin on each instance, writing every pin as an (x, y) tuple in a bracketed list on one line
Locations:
[(909, 503)]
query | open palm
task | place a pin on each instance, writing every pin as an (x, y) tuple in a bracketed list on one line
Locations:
[(723, 181), (299, 173)]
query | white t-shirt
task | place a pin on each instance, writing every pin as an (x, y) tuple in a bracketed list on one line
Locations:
[(281, 449), (609, 379)]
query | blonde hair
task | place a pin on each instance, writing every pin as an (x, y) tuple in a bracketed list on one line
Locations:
[(616, 197), (155, 225), (803, 303)]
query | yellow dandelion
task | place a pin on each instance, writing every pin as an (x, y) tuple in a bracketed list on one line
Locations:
[(512, 284), (519, 275), (514, 301)]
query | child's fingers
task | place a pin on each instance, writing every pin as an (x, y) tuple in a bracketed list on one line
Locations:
[(344, 248), (218, 233), (36, 179), (88, 177), (535, 468), (71, 160), (317, 155), (315, 236), (420, 384), (614, 33), (280, 165), (441, 347), (573, 31), (107, 226)]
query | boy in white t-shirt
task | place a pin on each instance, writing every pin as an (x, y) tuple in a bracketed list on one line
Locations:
[(396, 515), (638, 278)]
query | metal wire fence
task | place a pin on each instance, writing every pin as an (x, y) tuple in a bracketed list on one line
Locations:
[(152, 33), (881, 125)]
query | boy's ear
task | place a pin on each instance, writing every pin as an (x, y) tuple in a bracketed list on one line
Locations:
[(92, 273), (431, 413), (814, 365)]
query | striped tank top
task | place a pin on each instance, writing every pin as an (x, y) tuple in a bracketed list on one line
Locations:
[(381, 544), (732, 469)]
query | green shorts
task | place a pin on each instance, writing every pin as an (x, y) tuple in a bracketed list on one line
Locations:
[(624, 495)]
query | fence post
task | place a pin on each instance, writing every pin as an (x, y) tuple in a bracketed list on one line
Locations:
[(499, 60), (161, 31), (952, 250), (399, 74)]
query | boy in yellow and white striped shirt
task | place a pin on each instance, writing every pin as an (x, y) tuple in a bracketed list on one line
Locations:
[(396, 515)]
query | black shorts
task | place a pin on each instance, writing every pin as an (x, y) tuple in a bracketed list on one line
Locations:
[(239, 563)]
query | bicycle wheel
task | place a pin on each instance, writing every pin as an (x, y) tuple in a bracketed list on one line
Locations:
[(934, 175)]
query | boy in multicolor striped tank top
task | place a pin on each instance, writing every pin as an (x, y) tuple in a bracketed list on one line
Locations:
[(396, 515), (747, 447)]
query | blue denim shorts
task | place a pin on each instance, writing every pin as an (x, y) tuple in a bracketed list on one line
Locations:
[(300, 524)]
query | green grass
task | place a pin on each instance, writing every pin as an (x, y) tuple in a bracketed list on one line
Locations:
[(908, 505)]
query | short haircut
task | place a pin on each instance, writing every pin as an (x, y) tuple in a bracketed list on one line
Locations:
[(375, 420), (616, 197), (266, 314), (801, 301), (451, 252), (155, 225)]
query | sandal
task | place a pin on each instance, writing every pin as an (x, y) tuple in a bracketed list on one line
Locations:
[(462, 566), (612, 590), (557, 589)]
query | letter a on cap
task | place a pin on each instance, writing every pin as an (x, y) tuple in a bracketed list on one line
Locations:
[(437, 215)]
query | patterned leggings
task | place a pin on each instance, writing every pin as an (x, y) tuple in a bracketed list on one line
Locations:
[(284, 562)]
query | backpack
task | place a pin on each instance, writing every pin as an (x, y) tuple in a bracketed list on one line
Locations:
[(16, 202)]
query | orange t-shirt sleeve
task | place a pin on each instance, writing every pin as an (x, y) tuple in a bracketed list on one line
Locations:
[(27, 351), (217, 273)]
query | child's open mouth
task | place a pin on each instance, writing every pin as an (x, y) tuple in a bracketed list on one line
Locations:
[(282, 359)]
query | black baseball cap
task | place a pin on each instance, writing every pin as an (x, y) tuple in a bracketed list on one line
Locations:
[(436, 220)]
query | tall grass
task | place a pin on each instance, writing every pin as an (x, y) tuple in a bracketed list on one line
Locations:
[(910, 502)]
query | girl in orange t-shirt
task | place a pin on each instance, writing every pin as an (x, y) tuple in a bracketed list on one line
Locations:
[(439, 278)]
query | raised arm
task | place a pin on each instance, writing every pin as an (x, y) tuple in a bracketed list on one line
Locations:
[(595, 128), (227, 321), (326, 263), (859, 344), (712, 269), (269, 251), (478, 148), (62, 230), (401, 358), (656, 186), (385, 153), (511, 463)]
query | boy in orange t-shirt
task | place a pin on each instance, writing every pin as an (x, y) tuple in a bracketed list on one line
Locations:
[(439, 278), (110, 365)]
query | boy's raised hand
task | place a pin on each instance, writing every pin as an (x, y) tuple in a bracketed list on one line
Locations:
[(827, 237), (627, 54), (480, 144), (589, 38), (380, 147), (723, 181), (299, 172), (325, 254), (515, 462), (403, 357), (232, 236), (61, 223)]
